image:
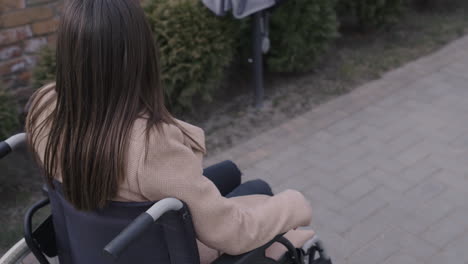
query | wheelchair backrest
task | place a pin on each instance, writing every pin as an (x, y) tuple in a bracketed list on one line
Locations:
[(81, 236)]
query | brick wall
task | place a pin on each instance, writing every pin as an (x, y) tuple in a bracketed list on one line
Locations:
[(25, 26)]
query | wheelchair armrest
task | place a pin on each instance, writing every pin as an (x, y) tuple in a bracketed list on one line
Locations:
[(256, 255), (11, 144), (35, 238), (140, 225)]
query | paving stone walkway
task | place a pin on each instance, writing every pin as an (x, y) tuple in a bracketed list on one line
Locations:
[(385, 166)]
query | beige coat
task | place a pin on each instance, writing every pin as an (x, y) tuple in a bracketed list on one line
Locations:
[(173, 168)]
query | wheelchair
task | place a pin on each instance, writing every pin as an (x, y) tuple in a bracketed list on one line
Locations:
[(128, 232)]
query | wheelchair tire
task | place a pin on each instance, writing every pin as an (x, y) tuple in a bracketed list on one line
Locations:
[(16, 254)]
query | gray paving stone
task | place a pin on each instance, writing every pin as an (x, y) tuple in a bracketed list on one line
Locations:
[(385, 167), (330, 182), (458, 248), (318, 194), (384, 161), (399, 143), (436, 209), (342, 127), (452, 178), (363, 208), (446, 256), (449, 163), (413, 155), (419, 171), (390, 180), (355, 170), (398, 258), (255, 173), (338, 248), (411, 245), (387, 194), (357, 188), (456, 196), (377, 251), (402, 218), (328, 220), (301, 184), (448, 229), (348, 139), (425, 191), (282, 173), (364, 232)]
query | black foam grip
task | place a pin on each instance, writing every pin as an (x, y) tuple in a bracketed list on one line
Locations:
[(128, 235), (5, 149)]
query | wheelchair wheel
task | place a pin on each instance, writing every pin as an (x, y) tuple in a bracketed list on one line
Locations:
[(16, 254)]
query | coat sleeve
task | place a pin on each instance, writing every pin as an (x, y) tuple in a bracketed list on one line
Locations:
[(235, 225)]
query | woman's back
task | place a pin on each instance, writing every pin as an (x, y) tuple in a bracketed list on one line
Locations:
[(169, 164), (102, 130)]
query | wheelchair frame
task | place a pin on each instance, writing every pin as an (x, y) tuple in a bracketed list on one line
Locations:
[(41, 241)]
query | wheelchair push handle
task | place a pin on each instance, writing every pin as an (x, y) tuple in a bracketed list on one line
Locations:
[(142, 223), (12, 143)]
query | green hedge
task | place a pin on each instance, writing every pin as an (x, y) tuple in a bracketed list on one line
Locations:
[(195, 48), (301, 31), (9, 119), (372, 13), (44, 72)]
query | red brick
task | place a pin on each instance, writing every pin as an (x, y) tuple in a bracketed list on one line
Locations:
[(8, 5), (7, 82), (33, 45), (9, 52), (45, 27), (59, 7), (16, 65), (25, 76), (11, 66), (52, 39), (26, 16), (38, 2), (12, 35)]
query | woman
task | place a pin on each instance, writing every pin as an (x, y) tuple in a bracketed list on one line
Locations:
[(103, 131)]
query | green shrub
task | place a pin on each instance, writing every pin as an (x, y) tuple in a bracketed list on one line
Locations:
[(9, 119), (195, 48), (44, 72), (372, 13), (301, 31)]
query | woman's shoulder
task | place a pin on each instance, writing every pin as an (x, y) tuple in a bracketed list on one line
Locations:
[(45, 91), (171, 133), (40, 104), (41, 96), (195, 135)]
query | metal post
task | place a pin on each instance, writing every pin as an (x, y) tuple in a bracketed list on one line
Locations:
[(257, 58)]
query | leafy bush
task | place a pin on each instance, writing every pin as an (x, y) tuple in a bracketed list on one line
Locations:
[(300, 32), (44, 72), (9, 119), (372, 13), (195, 48)]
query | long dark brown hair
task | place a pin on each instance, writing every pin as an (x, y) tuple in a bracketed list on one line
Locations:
[(107, 77)]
